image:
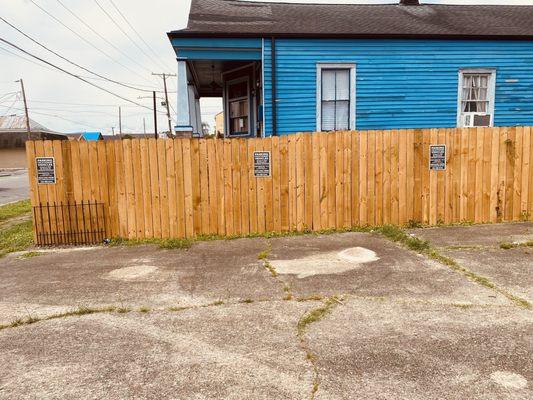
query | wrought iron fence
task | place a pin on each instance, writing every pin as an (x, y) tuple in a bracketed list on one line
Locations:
[(69, 223)]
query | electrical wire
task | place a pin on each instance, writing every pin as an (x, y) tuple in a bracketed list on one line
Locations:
[(135, 31), (72, 74), (88, 42), (101, 36), (123, 31), (72, 62), (11, 106)]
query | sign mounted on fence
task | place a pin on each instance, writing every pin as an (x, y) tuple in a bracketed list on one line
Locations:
[(437, 157), (46, 170), (262, 164)]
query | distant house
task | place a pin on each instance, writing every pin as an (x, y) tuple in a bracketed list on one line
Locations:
[(85, 136), (283, 68), (219, 124), (13, 136)]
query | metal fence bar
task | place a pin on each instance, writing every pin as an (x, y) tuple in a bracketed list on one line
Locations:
[(65, 227)]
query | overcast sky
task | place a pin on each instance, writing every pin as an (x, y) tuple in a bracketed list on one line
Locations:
[(63, 103)]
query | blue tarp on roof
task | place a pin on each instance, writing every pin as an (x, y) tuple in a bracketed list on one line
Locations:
[(91, 136)]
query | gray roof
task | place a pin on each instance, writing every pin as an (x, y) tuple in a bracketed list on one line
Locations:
[(17, 123), (246, 18)]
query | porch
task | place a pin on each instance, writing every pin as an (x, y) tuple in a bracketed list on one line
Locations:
[(230, 69)]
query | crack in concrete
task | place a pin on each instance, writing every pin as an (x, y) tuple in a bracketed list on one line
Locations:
[(268, 266), (310, 317)]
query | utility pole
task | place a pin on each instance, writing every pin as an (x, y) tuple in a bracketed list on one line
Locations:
[(155, 115), (113, 130), (144, 125), (166, 100), (120, 121), (28, 128)]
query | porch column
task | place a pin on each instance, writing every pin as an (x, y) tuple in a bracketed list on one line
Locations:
[(184, 126), (199, 118)]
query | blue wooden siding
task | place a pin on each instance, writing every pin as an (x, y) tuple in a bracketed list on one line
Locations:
[(217, 48), (400, 83)]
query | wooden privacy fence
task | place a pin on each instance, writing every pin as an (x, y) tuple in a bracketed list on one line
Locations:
[(188, 187)]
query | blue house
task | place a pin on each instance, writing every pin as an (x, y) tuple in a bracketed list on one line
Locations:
[(283, 68)]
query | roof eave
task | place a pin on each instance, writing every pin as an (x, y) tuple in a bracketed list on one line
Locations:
[(206, 34)]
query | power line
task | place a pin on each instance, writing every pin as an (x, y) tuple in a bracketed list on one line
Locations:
[(124, 32), (72, 62), (72, 74), (135, 31), (86, 41), (101, 36)]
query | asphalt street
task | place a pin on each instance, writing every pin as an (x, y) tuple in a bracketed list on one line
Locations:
[(13, 186)]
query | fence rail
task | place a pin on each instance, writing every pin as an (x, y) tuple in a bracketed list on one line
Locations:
[(189, 187)]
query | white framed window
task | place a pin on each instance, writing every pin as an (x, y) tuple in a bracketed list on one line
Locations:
[(476, 98), (335, 102)]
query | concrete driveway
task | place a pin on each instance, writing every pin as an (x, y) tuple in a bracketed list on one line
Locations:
[(343, 316), (14, 186)]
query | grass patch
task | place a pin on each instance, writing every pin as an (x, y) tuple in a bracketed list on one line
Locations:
[(508, 246), (16, 238), (123, 310), (167, 244), (396, 234), (216, 303), (246, 301), (14, 210), (30, 254), (144, 310)]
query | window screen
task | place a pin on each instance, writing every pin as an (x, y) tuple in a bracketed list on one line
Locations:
[(335, 99)]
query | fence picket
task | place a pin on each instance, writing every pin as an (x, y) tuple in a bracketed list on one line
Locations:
[(145, 188)]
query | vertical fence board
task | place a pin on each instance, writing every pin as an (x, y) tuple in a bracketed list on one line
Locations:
[(189, 187)]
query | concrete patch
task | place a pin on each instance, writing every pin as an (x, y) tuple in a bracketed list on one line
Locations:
[(326, 263), (509, 380), (131, 273)]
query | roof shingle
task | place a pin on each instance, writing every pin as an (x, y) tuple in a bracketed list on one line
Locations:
[(246, 18)]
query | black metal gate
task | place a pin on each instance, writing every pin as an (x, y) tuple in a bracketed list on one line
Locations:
[(69, 223)]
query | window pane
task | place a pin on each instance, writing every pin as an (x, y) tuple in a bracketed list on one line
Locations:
[(342, 118), (343, 84), (328, 84), (328, 115)]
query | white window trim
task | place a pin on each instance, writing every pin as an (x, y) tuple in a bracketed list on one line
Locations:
[(491, 94), (319, 68)]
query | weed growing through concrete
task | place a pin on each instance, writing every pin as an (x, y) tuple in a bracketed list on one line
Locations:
[(270, 268), (30, 254), (508, 246), (315, 297), (396, 234), (307, 319), (263, 255), (246, 301), (77, 312), (123, 310), (144, 309)]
